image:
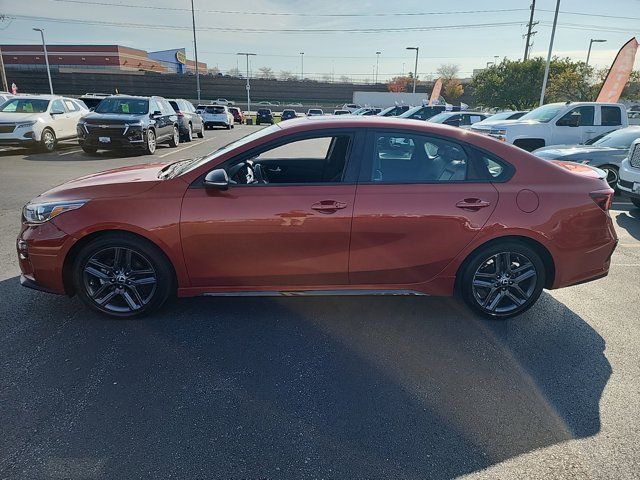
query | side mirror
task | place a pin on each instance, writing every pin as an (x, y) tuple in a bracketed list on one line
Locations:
[(156, 114), (217, 178)]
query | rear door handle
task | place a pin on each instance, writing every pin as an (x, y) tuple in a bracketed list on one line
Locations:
[(328, 206), (473, 204)]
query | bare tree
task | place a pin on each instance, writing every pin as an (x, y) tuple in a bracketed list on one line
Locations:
[(326, 77), (234, 72), (214, 71), (448, 71), (266, 73), (345, 79), (286, 75)]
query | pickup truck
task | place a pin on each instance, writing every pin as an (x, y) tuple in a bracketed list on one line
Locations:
[(558, 124)]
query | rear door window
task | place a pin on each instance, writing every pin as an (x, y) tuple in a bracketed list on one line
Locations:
[(611, 116)]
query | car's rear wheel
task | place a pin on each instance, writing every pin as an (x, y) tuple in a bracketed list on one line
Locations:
[(150, 145), (502, 280), (48, 140), (175, 139), (122, 276), (189, 135)]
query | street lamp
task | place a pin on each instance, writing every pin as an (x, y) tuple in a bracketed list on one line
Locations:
[(301, 65), (415, 70), (248, 85), (46, 57), (591, 42), (377, 62)]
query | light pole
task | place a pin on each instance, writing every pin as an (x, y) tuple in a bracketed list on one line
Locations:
[(46, 57), (301, 65), (195, 49), (248, 85), (415, 70), (546, 70), (377, 62), (591, 42)]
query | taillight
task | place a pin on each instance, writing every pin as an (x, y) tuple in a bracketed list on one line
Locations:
[(602, 198)]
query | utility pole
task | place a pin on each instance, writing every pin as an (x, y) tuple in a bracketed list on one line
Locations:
[(527, 44), (301, 65), (46, 57), (591, 42), (415, 70), (5, 85), (195, 49), (248, 85), (377, 62), (546, 70)]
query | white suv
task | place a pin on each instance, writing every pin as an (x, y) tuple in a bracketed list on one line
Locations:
[(629, 174), (39, 120), (216, 116), (558, 124)]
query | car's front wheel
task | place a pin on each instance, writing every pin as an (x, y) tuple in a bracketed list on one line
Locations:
[(502, 280), (612, 175), (48, 140), (150, 144), (122, 276)]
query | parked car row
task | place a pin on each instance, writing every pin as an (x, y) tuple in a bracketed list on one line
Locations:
[(112, 122)]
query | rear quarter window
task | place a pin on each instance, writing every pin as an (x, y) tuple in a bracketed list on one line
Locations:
[(611, 116)]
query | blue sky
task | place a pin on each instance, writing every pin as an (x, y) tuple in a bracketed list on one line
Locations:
[(344, 53)]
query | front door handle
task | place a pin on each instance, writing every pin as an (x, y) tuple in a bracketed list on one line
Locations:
[(328, 206), (473, 204)]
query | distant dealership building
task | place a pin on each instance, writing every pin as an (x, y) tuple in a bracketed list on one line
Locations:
[(108, 58)]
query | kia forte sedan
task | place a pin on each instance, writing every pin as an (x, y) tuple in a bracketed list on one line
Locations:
[(325, 206)]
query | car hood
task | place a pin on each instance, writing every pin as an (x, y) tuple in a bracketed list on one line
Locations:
[(578, 152), (119, 182), (19, 117), (111, 118), (492, 123), (505, 124)]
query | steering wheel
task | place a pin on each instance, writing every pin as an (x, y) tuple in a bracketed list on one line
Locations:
[(260, 174), (242, 173)]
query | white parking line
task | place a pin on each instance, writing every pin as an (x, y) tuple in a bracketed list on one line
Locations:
[(69, 153), (184, 148)]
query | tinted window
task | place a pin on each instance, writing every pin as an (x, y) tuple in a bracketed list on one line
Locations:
[(175, 106), (581, 116), (402, 158), (133, 106), (611, 116)]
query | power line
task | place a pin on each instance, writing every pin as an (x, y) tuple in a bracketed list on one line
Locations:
[(293, 14), (263, 30)]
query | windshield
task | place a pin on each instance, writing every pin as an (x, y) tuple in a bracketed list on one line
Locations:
[(441, 117), (501, 116), (543, 114), (25, 105), (129, 106), (185, 166), (386, 110), (619, 138)]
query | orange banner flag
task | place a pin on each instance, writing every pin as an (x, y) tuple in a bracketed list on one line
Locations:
[(619, 73), (435, 94)]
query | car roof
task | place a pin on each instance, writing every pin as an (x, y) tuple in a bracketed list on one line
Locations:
[(36, 97)]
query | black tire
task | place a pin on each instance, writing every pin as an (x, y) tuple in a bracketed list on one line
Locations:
[(636, 202), (150, 144), (105, 286), (494, 291), (257, 122), (175, 138), (187, 137), (228, 127), (612, 175), (201, 132), (89, 150), (48, 140)]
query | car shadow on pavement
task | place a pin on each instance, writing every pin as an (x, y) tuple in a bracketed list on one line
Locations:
[(630, 221), (296, 387)]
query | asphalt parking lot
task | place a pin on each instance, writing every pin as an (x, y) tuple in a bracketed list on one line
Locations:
[(305, 388)]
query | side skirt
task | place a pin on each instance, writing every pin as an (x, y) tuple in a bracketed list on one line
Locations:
[(315, 293)]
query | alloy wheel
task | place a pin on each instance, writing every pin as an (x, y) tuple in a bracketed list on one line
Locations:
[(190, 133), (612, 177), (151, 141), (119, 279), (504, 282), (48, 140)]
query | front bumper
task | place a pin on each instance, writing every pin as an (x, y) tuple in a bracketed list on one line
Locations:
[(117, 139), (41, 253), (628, 177)]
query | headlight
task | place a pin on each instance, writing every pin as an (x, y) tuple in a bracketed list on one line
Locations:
[(25, 125), (499, 132), (134, 124), (41, 212)]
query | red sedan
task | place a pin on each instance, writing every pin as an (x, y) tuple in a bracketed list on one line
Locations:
[(238, 116), (335, 205)]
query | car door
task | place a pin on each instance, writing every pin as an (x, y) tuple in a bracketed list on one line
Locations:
[(575, 126), (420, 201), (159, 119), (74, 114), (282, 234), (60, 120), (610, 118)]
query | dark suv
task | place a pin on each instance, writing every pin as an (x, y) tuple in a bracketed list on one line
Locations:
[(264, 115), (120, 122), (288, 114), (189, 121)]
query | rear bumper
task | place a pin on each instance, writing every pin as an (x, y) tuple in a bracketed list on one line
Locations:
[(216, 124)]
